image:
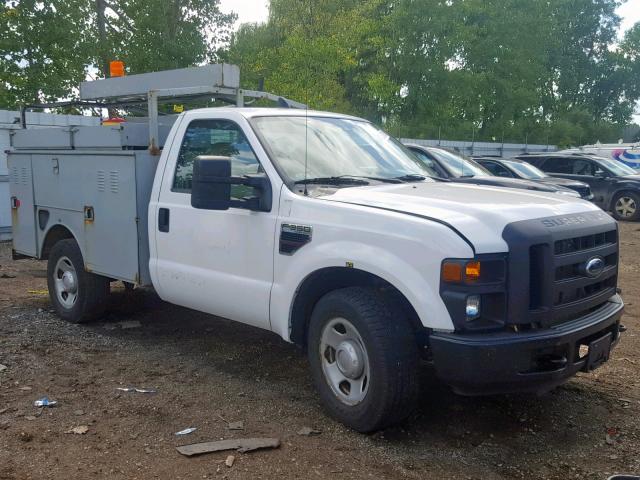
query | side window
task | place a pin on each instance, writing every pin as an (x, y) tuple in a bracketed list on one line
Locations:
[(497, 169), (423, 158), (558, 165), (220, 138), (429, 162), (598, 171), (583, 167)]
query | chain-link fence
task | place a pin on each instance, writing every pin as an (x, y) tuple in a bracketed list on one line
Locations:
[(492, 149)]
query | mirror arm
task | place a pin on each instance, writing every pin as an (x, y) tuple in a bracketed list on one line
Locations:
[(256, 182)]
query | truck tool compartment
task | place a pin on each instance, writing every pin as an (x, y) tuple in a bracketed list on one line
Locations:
[(101, 197)]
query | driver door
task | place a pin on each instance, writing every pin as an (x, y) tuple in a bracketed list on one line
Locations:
[(219, 262)]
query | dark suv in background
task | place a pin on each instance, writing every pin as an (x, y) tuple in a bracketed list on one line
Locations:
[(615, 186), (456, 168), (516, 168)]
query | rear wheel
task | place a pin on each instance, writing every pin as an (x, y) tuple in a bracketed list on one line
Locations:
[(626, 206), (364, 359), (77, 296)]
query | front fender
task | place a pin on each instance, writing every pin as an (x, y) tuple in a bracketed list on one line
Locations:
[(410, 266)]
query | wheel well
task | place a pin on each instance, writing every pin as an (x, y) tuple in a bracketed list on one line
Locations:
[(323, 281), (620, 192), (54, 235)]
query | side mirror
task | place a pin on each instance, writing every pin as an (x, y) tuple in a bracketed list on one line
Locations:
[(602, 174), (211, 186), (210, 183)]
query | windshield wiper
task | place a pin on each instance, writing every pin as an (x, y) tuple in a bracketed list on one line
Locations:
[(439, 179), (379, 179), (344, 180), (411, 177)]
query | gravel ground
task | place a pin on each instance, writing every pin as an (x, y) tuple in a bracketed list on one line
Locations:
[(209, 372)]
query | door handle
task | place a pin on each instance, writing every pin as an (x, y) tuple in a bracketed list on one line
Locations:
[(163, 219)]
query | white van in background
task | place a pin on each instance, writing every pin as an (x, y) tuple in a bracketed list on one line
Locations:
[(627, 153)]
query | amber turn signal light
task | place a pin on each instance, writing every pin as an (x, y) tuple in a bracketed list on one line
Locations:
[(458, 271), (472, 271), (451, 272)]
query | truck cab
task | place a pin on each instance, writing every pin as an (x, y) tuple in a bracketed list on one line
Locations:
[(327, 231)]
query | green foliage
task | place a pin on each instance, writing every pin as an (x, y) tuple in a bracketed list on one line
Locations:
[(513, 70), (535, 70), (152, 35), (48, 47), (45, 48)]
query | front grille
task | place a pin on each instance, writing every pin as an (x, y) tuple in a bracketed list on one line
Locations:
[(574, 290), (587, 242), (554, 254)]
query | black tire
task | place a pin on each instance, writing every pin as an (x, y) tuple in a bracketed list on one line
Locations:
[(92, 290), (633, 197), (392, 352)]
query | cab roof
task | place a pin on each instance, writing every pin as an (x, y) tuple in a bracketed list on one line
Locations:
[(253, 112)]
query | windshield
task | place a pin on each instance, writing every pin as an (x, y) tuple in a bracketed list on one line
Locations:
[(459, 166), (335, 147), (617, 168), (525, 170)]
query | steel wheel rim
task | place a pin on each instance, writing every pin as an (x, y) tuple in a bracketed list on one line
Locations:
[(65, 280), (626, 207), (345, 363)]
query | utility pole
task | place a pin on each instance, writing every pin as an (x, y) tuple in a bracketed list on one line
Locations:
[(102, 37), (103, 51)]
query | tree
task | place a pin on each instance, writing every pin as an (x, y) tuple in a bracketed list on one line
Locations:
[(309, 50), (46, 47), (152, 35)]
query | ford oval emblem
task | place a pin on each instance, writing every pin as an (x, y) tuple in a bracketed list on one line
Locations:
[(594, 266)]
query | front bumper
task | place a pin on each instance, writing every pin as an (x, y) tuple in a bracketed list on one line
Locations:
[(533, 360)]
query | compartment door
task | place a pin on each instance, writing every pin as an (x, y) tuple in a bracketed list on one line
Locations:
[(23, 217)]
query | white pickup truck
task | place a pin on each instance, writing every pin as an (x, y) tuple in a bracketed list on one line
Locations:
[(325, 230)]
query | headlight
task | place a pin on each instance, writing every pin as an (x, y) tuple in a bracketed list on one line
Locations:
[(474, 291), (456, 271), (473, 307)]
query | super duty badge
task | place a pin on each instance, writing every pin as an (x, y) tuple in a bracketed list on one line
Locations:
[(573, 219)]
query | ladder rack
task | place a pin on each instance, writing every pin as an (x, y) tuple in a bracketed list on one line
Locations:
[(214, 81)]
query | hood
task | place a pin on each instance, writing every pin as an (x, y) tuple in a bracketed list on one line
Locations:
[(564, 182), (479, 213), (632, 178), (509, 183)]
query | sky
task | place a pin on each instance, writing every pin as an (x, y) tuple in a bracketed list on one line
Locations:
[(250, 11)]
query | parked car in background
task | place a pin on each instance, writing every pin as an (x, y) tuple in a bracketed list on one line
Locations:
[(516, 168), (627, 153), (615, 186), (456, 168)]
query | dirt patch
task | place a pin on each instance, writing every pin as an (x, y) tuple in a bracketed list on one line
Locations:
[(208, 372)]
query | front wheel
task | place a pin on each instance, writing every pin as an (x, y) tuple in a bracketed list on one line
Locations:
[(626, 206), (364, 358), (77, 295)]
